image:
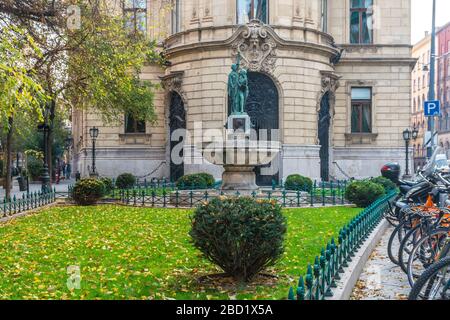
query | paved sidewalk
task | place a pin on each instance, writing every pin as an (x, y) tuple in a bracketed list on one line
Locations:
[(61, 187), (381, 279)]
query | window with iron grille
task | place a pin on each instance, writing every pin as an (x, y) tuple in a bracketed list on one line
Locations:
[(361, 21), (361, 110)]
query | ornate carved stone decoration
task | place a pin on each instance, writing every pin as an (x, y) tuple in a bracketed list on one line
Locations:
[(330, 83), (173, 81), (256, 46)]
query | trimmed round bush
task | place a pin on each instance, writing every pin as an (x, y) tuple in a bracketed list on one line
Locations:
[(125, 181), (387, 184), (88, 191), (108, 183), (363, 193), (195, 181), (298, 183), (243, 236), (208, 178)]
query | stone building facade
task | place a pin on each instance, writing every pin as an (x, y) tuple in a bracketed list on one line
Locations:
[(334, 77), (420, 87), (443, 85)]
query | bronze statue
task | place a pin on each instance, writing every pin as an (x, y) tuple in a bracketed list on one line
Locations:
[(233, 88), (243, 90), (237, 88)]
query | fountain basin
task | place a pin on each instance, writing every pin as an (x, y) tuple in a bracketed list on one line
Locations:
[(240, 157)]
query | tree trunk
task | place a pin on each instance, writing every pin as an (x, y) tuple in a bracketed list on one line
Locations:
[(50, 140), (8, 160)]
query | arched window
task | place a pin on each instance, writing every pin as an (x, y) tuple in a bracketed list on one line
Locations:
[(252, 9)]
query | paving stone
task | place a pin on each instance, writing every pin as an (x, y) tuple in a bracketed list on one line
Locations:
[(381, 279)]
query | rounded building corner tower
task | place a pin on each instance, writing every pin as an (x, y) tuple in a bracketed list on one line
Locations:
[(332, 78)]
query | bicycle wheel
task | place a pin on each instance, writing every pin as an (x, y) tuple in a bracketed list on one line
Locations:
[(433, 284), (394, 242), (427, 250), (406, 246)]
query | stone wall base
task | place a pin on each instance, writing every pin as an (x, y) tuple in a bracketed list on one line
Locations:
[(110, 162), (354, 162)]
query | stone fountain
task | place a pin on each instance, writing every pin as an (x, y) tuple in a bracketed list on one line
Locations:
[(240, 152)]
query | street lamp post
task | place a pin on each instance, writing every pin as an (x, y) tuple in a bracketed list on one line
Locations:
[(431, 92), (93, 132), (45, 176), (409, 135)]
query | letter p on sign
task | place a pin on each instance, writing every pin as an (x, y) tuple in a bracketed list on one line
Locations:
[(432, 108)]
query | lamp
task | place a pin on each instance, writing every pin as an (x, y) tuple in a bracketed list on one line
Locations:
[(93, 132), (407, 135)]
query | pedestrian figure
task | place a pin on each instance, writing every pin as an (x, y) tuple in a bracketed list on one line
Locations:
[(68, 170)]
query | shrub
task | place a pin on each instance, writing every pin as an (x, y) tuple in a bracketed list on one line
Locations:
[(298, 183), (209, 179), (195, 181), (125, 181), (387, 184), (35, 167), (88, 191), (363, 193), (243, 236), (108, 183)]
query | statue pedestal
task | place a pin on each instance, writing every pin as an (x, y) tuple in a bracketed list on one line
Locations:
[(240, 178), (239, 124)]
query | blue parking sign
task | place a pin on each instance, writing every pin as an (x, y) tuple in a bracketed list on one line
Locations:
[(432, 108)]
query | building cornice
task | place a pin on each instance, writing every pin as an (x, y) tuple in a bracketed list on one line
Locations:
[(379, 60), (327, 47)]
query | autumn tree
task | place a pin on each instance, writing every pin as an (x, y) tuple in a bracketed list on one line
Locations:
[(87, 58), (20, 94)]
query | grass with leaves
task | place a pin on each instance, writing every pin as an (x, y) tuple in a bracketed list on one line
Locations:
[(140, 253)]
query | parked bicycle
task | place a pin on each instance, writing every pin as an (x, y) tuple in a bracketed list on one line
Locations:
[(420, 241)]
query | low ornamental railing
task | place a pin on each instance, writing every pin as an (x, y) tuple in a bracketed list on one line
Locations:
[(29, 201), (338, 186), (321, 277), (190, 198)]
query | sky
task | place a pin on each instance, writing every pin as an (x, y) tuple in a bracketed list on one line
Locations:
[(421, 16)]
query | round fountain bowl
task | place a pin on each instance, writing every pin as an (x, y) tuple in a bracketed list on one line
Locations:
[(239, 159)]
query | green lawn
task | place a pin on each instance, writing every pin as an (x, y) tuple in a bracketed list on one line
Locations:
[(136, 253)]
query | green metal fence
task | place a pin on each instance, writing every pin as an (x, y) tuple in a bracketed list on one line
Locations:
[(26, 202), (321, 277), (190, 198)]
